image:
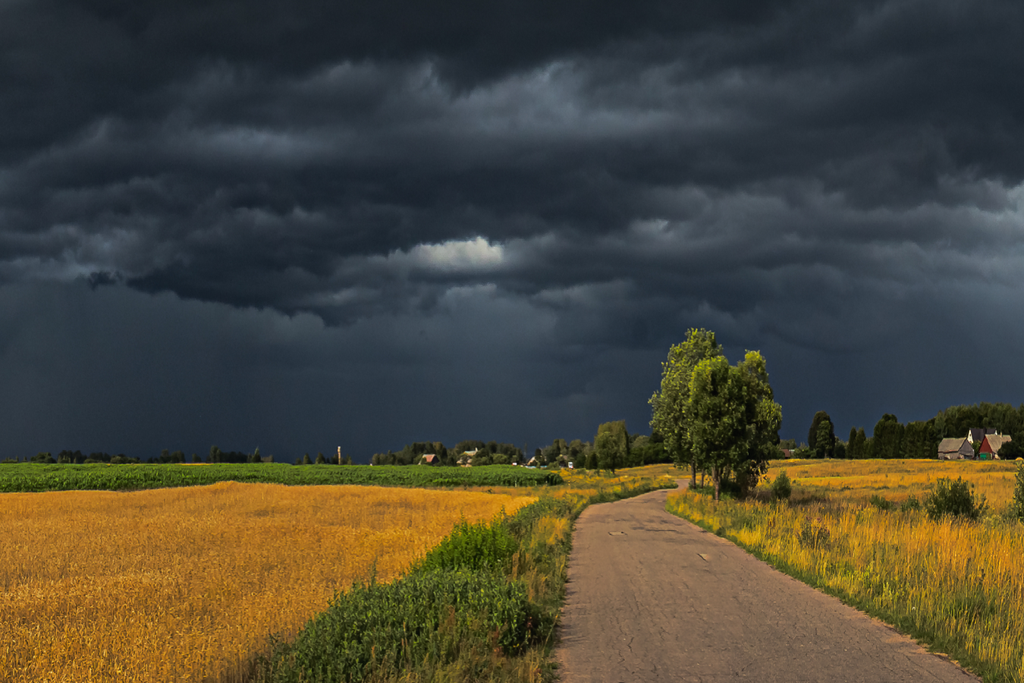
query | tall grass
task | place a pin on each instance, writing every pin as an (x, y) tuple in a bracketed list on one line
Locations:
[(481, 606), (187, 584), (957, 585), (896, 479)]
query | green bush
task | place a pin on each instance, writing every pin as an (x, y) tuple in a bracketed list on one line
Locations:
[(782, 487), (1016, 509), (881, 503), (422, 620), (911, 504), (472, 546), (953, 498)]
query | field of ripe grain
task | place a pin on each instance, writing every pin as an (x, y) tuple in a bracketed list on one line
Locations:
[(858, 480), (186, 584)]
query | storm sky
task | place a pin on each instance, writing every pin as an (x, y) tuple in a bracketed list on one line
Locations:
[(298, 225)]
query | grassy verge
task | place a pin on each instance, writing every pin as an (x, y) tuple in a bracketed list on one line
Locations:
[(481, 606), (36, 477), (956, 586)]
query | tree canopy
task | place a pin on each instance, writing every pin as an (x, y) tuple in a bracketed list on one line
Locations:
[(821, 438), (612, 445), (669, 416), (733, 421)]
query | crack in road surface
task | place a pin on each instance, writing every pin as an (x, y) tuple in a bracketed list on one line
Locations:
[(643, 605)]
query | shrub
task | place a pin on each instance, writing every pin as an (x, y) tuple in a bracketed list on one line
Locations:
[(881, 503), (910, 504), (472, 546), (803, 453), (425, 618), (782, 487), (953, 498), (1016, 509)]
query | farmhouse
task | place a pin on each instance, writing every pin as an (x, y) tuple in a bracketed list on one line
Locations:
[(976, 434), (955, 449), (430, 459), (466, 459), (990, 446)]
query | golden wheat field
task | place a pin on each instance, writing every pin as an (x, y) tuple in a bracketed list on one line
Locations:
[(897, 479), (187, 584)]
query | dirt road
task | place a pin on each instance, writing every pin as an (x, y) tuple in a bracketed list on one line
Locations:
[(652, 597)]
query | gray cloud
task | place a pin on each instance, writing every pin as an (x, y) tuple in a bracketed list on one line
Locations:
[(796, 176)]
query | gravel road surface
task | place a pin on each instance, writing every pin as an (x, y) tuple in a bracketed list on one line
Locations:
[(652, 597)]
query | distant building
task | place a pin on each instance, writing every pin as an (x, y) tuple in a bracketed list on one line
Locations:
[(990, 446), (430, 459), (466, 459), (956, 449), (976, 434)]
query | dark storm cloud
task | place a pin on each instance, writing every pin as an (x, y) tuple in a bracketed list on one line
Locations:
[(827, 178)]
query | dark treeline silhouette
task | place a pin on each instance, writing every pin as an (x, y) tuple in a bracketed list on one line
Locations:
[(464, 452), (891, 438), (216, 455), (643, 450)]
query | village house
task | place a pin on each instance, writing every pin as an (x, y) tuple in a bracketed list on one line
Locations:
[(990, 446), (430, 459), (466, 459), (976, 434), (956, 449)]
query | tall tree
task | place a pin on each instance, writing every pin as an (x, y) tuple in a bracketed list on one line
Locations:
[(822, 441), (669, 405), (825, 444), (851, 445), (612, 445), (887, 441), (920, 440), (733, 420)]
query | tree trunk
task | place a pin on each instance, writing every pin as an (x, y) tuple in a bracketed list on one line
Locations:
[(693, 473)]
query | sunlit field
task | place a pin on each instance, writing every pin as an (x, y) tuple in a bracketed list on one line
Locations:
[(896, 479), (187, 584), (957, 585)]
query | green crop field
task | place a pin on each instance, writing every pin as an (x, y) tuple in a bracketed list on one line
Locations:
[(33, 477)]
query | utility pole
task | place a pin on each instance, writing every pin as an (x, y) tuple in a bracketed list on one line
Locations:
[(339, 455)]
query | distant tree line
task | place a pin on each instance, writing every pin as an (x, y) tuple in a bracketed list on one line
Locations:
[(67, 457), (483, 453), (216, 455), (892, 439), (637, 449)]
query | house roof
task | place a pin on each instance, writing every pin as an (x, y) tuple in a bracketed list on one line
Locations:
[(429, 458), (994, 442), (951, 445), (978, 433)]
